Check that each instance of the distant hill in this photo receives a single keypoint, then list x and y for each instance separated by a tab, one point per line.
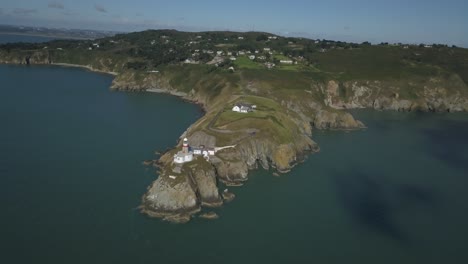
56	32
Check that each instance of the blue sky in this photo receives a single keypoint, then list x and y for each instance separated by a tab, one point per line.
409	21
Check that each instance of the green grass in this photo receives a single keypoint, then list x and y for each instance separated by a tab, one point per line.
367	62
269	118
205	79
229	116
386	62
243	62
280	57
278	79
291	67
262	103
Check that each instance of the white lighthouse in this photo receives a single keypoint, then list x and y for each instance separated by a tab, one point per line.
185	155
185	146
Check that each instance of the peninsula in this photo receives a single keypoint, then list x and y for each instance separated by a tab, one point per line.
263	96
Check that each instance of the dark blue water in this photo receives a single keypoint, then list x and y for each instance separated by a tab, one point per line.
10	38
71	178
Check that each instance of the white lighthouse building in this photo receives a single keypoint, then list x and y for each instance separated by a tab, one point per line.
185	155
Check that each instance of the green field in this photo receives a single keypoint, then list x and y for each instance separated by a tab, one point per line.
244	62
377	62
269	118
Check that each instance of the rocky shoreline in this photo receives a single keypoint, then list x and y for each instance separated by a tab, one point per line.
87	67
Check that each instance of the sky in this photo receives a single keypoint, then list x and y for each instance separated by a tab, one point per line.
406	21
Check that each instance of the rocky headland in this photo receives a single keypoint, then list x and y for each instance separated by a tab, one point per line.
277	135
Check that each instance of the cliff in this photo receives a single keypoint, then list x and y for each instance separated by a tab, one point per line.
437	94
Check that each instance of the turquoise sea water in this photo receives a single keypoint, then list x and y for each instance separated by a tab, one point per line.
71	178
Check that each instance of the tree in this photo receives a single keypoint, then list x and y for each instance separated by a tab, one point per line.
262	37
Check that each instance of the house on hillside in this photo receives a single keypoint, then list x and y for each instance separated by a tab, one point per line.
286	61
243	108
269	65
252	57
202	150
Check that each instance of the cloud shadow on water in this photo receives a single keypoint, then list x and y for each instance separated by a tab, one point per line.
374	205
447	143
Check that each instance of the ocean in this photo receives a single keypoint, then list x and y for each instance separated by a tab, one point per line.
71	175
10	38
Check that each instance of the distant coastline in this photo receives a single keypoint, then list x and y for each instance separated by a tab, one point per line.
42	35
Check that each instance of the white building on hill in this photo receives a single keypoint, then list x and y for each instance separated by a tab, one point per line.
243	108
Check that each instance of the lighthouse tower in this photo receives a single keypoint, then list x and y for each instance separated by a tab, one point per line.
185	155
185	146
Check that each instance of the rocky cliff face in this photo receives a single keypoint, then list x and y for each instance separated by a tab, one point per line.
36	57
336	120
135	81
206	183
433	94
174	201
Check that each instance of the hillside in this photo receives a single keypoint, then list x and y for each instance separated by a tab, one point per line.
296	84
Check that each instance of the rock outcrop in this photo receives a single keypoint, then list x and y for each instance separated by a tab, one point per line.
336	120
206	182
172	199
